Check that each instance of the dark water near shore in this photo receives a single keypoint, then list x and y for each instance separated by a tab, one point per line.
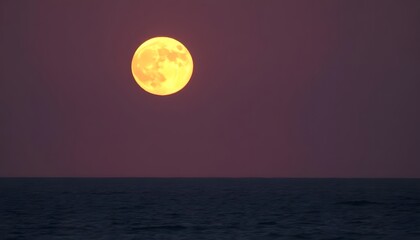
209	209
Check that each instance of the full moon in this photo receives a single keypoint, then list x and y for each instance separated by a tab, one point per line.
162	66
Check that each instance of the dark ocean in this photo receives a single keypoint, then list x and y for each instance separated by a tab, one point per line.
209	209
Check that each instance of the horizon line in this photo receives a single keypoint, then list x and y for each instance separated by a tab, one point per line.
131	177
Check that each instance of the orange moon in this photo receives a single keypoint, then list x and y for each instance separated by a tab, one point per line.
162	66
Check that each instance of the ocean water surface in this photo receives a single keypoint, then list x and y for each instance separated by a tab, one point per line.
216	209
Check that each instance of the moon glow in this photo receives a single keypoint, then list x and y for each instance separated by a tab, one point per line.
162	66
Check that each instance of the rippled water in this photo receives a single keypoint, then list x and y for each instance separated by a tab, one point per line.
209	209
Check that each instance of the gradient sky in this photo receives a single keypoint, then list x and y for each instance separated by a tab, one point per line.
279	89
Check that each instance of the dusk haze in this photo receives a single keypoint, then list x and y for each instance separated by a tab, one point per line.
280	89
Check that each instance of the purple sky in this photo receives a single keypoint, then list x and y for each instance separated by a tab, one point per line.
279	89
